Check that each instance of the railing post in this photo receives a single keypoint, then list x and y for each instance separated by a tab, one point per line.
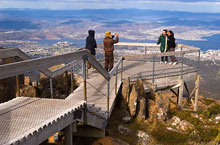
116	81
51	88
122	70
145	51
180	97
84	79
71	80
17	87
198	61
87	69
85	88
108	94
182	66
153	69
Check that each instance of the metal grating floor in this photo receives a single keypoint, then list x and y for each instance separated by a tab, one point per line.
23	116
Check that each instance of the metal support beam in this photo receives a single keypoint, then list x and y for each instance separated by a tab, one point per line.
87	70
198	62
180	99
85	89
145	51
68	135
197	83
51	88
182	66
17	87
116	81
153	70
108	94
122	70
187	90
174	92
84	79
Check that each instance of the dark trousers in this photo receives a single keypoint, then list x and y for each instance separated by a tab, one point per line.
164	58
109	60
172	57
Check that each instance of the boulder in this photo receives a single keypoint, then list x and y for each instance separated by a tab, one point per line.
185	126
124	130
182	125
159	108
143	138
29	91
176	120
152	109
126	119
141	108
126	90
132	105
140	87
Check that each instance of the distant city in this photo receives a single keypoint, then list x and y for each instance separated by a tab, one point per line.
46	32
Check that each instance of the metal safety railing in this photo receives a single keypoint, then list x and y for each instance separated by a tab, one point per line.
82	56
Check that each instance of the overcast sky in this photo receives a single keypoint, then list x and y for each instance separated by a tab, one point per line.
212	6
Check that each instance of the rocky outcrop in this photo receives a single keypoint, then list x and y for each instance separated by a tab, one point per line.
183	126
133	100
159	108
125	131
29	91
125	94
143	138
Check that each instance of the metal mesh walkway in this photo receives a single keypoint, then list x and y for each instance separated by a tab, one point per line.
23	117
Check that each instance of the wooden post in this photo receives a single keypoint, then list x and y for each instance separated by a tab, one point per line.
180	99
51	88
197	83
68	135
17	87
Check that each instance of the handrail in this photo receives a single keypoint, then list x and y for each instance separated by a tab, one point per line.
8	52
22	67
61	70
113	71
144	56
98	66
72	59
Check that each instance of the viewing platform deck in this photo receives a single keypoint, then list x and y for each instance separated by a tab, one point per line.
28	120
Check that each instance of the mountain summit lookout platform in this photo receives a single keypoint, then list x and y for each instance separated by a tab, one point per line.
26	120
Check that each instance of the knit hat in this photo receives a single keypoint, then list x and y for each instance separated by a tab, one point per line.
108	34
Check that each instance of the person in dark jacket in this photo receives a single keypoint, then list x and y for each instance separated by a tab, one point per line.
162	40
109	48
171	47
91	44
